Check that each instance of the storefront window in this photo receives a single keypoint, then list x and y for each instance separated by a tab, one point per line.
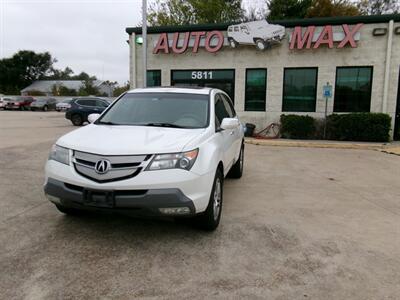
220	79
353	89
299	89
256	88
153	78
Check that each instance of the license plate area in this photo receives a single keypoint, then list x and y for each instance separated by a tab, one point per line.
98	198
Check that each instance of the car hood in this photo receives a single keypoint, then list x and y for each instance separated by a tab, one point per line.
128	140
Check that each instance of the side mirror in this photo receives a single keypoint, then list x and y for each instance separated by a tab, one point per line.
93	117
229	123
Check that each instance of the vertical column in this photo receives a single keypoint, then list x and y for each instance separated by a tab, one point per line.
387	67
132	60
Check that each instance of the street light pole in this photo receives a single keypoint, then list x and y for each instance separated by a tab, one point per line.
144	45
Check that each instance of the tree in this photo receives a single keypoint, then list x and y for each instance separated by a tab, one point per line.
181	12
61	74
88	89
22	69
61	90
121	89
332	8
288	9
379	7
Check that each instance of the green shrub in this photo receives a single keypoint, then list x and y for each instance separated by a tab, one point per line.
297	127
368	127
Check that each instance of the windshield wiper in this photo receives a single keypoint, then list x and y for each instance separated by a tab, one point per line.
164	125
106	123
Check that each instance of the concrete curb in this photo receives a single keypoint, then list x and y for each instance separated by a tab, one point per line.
317	144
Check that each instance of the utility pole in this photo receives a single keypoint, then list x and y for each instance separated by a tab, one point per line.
144	45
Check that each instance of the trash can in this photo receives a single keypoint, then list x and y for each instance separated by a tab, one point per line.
249	131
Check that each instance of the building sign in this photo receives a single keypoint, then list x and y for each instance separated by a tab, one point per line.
311	38
212	41
259	33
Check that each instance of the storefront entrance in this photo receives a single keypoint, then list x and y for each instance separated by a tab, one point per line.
396	135
220	79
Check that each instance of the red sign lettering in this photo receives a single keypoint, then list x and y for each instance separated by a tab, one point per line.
175	48
349	38
197	36
301	40
326	37
163	45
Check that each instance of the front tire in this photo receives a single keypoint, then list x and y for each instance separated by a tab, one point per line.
209	220
77	120
237	169
45	108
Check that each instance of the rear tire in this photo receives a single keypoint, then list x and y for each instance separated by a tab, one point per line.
237	169
209	220
77	120
68	210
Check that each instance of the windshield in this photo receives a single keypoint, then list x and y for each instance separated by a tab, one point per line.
159	109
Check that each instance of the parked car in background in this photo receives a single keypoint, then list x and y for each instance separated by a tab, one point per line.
21	103
44	104
64	105
81	108
3	101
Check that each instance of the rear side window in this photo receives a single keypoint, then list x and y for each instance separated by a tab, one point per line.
86	102
101	103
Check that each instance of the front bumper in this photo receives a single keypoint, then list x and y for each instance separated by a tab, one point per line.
142	202
163	188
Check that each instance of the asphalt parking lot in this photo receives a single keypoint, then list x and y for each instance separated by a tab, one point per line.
301	224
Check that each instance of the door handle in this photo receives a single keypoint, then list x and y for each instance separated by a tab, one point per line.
231	133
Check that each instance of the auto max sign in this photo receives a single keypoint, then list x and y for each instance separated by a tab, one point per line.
313	38
259	33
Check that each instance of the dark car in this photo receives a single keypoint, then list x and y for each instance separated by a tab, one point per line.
21	103
44	104
81	108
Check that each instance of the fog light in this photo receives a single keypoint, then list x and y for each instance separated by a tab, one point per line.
53	199
175	210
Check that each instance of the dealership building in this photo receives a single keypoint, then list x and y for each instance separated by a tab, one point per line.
352	64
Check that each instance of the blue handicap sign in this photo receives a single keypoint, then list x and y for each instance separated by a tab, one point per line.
327	91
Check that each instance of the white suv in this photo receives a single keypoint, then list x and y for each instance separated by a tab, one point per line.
154	151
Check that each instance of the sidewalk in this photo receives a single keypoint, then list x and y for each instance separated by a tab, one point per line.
393	147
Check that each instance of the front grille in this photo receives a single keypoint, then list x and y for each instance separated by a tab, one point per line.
121	167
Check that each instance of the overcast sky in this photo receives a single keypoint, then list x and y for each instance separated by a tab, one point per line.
86	35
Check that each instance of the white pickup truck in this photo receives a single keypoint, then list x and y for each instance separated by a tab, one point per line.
154	151
259	33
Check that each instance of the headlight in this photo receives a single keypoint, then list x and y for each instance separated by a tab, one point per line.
184	160
59	154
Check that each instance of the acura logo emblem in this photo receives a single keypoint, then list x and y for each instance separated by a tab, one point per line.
102	166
